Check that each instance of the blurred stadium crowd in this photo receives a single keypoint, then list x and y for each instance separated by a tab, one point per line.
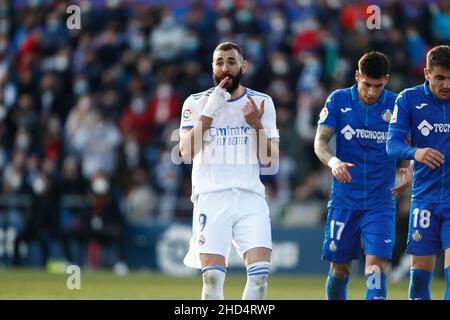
87	116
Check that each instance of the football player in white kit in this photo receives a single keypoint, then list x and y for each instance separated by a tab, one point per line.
229	133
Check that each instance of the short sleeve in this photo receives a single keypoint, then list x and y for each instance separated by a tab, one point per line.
269	120
400	115
189	114
327	116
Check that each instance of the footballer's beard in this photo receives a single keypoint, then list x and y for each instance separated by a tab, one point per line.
235	81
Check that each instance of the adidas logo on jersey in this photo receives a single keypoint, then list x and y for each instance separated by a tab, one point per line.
426	128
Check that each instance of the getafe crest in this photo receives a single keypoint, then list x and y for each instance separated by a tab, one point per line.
386	115
416	235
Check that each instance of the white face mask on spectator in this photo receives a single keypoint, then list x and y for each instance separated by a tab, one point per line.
23	141
168	22
113	3
138	105
61	63
15	181
54	126
84	104
224	25
192	43
244	16
137	43
163	91
53	24
39	186
80	87
280	67
131	149
34	3
278	24
100	186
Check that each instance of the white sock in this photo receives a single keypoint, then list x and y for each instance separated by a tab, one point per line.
213	279
257	275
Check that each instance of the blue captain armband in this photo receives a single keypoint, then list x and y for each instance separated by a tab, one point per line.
396	147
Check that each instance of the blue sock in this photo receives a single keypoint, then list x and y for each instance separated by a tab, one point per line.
376	286
419	284
447	281
336	288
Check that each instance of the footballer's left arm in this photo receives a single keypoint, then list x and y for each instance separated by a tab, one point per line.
268	150
274	153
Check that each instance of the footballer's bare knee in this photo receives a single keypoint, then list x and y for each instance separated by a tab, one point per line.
447	258
340	270
257	255
375	264
208	259
423	262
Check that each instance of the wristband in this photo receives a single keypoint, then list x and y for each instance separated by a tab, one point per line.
333	161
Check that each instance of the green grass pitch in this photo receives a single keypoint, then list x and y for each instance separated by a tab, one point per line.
99	285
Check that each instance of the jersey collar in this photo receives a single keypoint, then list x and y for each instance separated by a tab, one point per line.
242	95
426	88
355	97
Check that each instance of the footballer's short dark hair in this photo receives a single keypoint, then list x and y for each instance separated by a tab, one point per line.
225	46
374	64
439	56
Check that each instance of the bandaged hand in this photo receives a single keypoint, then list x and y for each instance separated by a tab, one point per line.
216	100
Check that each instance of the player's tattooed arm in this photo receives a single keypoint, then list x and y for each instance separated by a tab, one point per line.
339	169
321	143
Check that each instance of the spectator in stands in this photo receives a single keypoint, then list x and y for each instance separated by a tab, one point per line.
97	145
104	226
72	205
140	202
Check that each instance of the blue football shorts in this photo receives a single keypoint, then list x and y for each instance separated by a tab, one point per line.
429	228
348	230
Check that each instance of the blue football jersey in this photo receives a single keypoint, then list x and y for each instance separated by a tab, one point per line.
361	132
427	119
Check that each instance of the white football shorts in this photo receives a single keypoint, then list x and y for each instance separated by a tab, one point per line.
231	216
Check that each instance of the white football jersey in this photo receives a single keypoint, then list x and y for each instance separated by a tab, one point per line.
228	158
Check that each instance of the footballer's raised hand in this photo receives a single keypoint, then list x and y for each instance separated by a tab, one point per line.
430	157
406	176
340	171
252	113
216	99
223	82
